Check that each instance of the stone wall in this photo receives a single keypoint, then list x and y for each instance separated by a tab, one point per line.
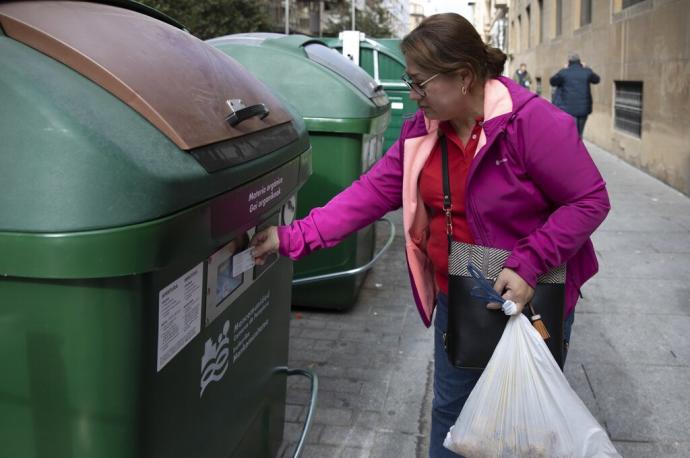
647	42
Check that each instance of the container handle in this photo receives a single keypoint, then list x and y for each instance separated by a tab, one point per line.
312	403
239	116
356	270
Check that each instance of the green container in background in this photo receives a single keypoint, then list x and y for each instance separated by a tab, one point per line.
126	330
346	114
383	60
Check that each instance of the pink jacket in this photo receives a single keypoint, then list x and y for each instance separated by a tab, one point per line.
532	189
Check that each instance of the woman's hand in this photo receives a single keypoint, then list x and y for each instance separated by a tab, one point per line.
264	244
511	286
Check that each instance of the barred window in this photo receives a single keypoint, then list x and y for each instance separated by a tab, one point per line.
542	22
559	17
585	12
627	3
528	11
628	107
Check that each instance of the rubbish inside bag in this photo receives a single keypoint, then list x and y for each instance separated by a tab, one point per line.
523	406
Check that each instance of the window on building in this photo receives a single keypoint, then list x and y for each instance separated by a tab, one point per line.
471	7
628	107
559	17
585	12
627	3
542	22
519	34
528	14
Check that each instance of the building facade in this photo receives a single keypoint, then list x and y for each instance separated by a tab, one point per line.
490	18
309	17
416	14
641	51
400	16
304	16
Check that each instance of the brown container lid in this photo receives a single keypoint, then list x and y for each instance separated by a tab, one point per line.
176	81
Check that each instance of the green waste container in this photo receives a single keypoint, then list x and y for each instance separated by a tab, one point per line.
129	325
384	61
346	114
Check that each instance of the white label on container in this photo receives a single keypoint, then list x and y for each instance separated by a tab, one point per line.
242	262
179	314
397	105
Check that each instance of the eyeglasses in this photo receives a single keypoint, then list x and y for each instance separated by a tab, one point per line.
417	87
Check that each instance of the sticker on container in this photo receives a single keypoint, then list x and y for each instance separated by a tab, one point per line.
242	262
179	314
214	363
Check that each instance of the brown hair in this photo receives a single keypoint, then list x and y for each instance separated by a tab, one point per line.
447	42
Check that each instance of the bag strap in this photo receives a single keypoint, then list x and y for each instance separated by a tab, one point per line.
446	189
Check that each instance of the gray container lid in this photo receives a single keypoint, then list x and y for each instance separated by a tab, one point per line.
318	52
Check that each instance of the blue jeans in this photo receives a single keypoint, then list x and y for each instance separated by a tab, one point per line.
580	121
452	385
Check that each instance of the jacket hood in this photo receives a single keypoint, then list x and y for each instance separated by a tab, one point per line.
503	100
518	94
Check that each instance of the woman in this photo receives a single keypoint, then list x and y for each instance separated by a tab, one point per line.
521	180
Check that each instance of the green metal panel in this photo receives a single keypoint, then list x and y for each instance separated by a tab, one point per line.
71	353
390	68
75	158
337	163
402	108
366	60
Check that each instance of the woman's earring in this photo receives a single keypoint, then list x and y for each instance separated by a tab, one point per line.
463	90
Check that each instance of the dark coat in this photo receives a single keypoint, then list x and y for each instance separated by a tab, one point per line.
572	84
523	78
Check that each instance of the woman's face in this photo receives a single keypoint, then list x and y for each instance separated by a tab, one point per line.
443	99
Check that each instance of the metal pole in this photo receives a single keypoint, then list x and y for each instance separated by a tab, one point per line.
353	15
287	17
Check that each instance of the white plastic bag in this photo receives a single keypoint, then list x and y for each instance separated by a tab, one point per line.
523	406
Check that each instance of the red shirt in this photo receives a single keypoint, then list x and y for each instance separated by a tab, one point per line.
431	190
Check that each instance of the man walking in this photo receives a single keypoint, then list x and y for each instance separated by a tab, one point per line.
573	88
522	76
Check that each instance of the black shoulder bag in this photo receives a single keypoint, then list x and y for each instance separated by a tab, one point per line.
473	330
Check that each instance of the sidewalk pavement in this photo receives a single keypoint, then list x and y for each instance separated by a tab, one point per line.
628	358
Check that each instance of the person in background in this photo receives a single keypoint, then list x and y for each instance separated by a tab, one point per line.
556	95
522	76
573	93
521	180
